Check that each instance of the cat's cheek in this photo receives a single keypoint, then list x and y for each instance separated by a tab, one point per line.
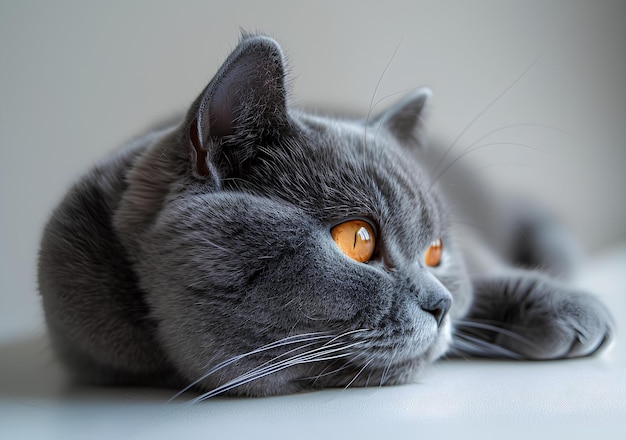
336	288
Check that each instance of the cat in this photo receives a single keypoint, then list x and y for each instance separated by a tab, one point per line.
254	249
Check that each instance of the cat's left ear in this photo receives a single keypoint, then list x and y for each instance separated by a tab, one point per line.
404	119
245	102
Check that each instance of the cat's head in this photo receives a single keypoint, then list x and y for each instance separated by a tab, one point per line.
298	251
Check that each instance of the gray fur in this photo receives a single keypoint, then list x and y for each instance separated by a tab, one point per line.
201	254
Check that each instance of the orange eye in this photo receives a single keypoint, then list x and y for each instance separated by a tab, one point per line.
432	257
355	238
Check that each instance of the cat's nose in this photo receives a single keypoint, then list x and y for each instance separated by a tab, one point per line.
433	297
438	308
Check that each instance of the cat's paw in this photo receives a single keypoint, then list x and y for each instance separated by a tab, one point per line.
557	324
529	316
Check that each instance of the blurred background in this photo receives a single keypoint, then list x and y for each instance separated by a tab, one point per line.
78	79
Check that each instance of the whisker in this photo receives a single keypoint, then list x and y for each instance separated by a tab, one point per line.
329	344
467	151
369	377
493	328
359	373
282	342
391	95
520	124
287	353
385	374
384	116
257	373
482	112
380	78
327	372
303	357
467	349
348	333
478	347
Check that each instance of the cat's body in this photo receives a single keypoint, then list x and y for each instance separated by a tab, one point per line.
203	254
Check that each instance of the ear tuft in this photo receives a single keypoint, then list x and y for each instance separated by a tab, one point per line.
246	99
199	155
247	93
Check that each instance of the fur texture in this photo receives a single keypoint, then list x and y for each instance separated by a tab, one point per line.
201	255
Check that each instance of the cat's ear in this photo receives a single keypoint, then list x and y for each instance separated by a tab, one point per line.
246	101
403	120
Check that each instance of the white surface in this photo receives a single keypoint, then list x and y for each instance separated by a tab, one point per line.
583	398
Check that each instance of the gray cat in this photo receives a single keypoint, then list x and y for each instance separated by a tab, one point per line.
254	249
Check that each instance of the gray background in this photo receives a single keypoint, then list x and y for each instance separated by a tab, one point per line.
80	78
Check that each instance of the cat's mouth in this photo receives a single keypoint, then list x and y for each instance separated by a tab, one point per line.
383	359
384	347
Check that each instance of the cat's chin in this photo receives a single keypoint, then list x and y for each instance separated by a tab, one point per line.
411	371
425	341
385	361
403	361
394	372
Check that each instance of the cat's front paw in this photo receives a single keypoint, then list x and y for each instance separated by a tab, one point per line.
556	324
529	316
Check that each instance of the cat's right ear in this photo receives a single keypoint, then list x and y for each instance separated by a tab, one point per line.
404	119
245	100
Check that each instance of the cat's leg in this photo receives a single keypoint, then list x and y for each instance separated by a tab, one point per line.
526	315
